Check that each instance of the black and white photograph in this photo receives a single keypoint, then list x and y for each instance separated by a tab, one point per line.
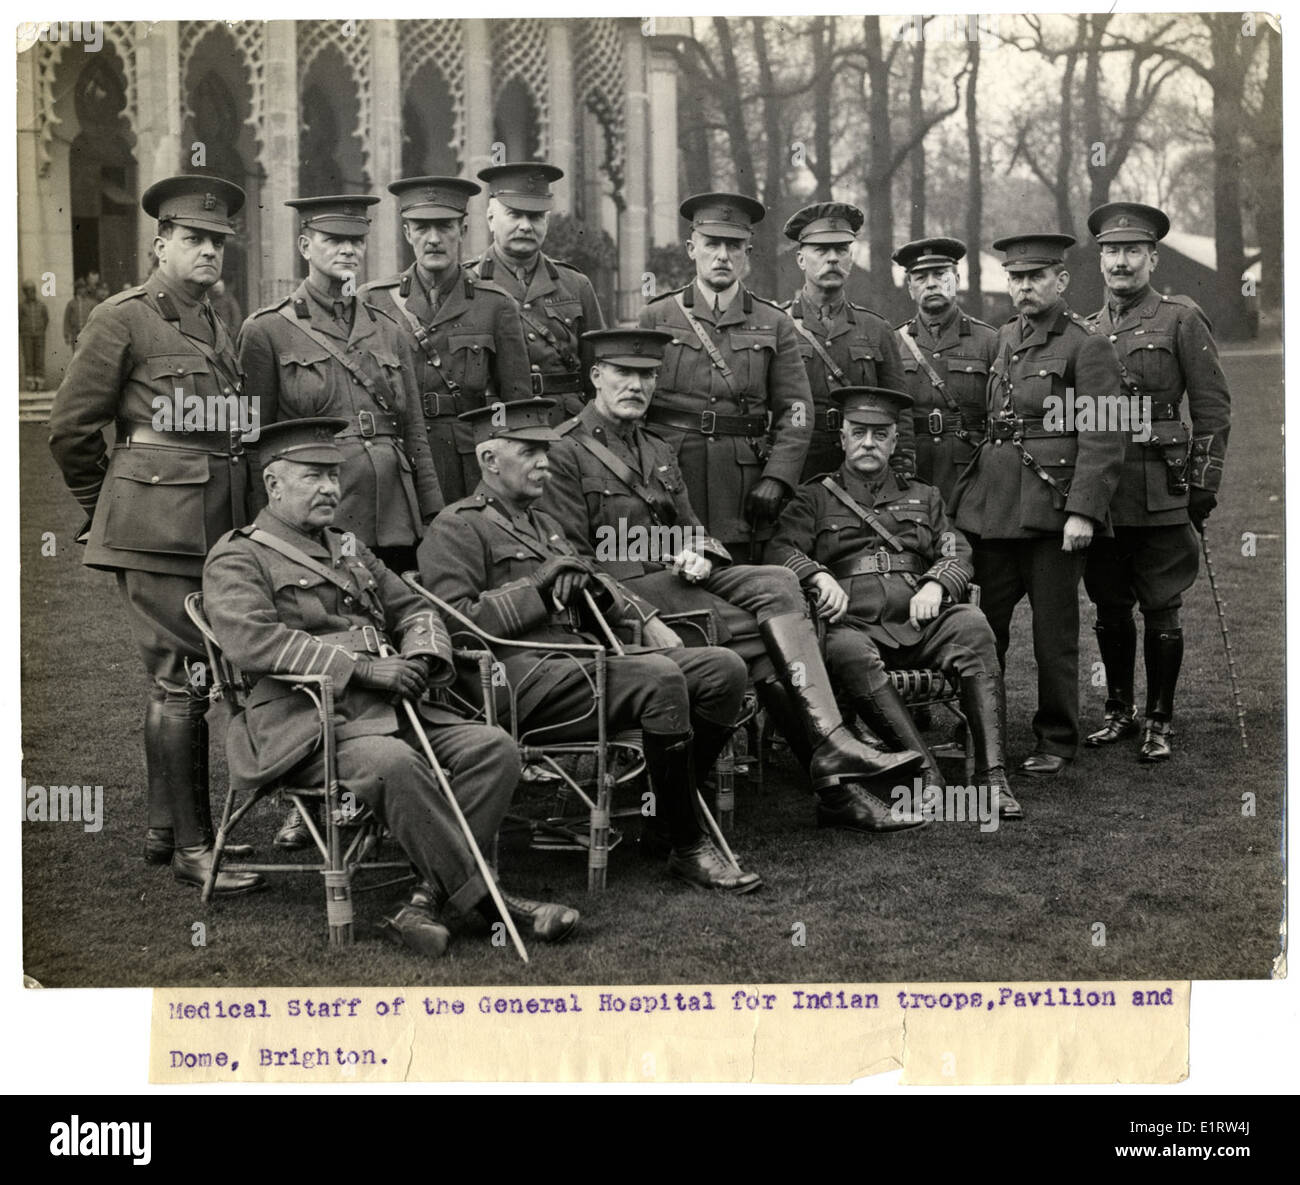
651	500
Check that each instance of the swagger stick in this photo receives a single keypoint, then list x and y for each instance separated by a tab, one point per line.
1227	641
712	823
484	871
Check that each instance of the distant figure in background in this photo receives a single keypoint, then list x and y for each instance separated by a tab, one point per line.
93	286
33	319
74	316
226	306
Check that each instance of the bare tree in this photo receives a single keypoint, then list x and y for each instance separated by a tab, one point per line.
975	186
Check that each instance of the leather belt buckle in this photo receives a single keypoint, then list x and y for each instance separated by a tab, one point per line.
236	443
366	423
708	422
833	419
537	382
370	635
884	562
935	422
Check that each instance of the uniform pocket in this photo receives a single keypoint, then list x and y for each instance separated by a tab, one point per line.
304	381
156	502
472	355
683	359
1165	466
1152	362
751	354
864	363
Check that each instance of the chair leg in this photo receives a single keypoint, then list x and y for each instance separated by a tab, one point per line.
724	774
338	905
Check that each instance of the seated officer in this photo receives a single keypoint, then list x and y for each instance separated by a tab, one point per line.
286	597
506	565
617	491
906	567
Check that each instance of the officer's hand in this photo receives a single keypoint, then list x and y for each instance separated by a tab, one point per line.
691	566
832	600
925	605
402	676
547	575
1078	533
568	585
659	637
1199	504
764	501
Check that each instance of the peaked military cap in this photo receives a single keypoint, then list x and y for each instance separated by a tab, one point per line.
335	214
1027	253
1128	222
434	197
825	222
522	419
726	215
926	253
308	441
524	186
193	199
870	405
641	349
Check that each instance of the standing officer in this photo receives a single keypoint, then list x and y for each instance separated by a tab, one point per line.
465	334
1038	490
1165	348
734	400
946	356
165	493
33	321
497	559
322	351
556	302
843	344
76	314
889	573
345	604
617	491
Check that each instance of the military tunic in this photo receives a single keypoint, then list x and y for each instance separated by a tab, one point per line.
478	555
1166	350
767	401
274	615
819	533
861	345
557	305
475	353
960	354
161	498
389	486
1016	518
633	524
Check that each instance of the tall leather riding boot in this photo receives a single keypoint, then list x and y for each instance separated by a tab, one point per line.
985	713
885	713
183	746
708	741
1163	651
159	839
837	754
1118	645
670	766
780	708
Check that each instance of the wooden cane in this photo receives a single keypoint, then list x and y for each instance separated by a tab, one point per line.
486	873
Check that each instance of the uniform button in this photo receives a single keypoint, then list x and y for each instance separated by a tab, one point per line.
1150	346
347	600
535	367
713	399
568	320
969	369
476	348
155	479
234	460
998	443
937	354
532	337
1041	373
1114	338
528	304
519	555
225	390
366	443
302	580
1015	357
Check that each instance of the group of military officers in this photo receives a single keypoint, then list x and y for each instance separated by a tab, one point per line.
820	487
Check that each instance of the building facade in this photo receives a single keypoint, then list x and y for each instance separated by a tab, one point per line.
290	108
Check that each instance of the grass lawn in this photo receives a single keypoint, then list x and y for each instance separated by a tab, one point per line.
1185	885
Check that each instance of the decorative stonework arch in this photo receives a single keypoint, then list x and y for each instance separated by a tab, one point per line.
249	38
352	40
519	54
600	85
440	44
121	36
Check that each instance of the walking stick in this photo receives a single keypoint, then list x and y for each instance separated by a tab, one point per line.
486	873
1227	641
714	830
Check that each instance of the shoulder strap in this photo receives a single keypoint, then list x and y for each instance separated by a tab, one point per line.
624	472
425	342
933	375
867	516
348	364
710	347
841	380
299	557
566	354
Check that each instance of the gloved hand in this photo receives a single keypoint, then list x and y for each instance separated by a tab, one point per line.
764	501
1199	504
563	575
403	676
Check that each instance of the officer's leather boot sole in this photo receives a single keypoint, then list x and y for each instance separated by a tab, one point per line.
190	867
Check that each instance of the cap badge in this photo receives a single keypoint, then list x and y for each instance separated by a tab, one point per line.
1123	220
209	201
726	214
638	346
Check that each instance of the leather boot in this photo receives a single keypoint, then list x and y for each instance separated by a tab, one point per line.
983	707
1118	646
417	926
851	807
183	746
884	713
547	921
293	833
837	754
694	858
1163	651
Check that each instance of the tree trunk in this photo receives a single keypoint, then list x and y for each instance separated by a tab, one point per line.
1227	124
879	178
975	188
763	274
733	113
915	98
1268	210
823	44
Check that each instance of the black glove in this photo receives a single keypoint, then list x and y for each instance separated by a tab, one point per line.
563	574
764	501
403	676
1199	504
